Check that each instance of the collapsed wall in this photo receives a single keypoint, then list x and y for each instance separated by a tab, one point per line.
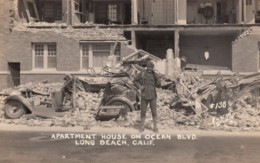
245	51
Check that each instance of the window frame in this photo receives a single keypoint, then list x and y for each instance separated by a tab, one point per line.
26	5
56	14
103	16
113	13
249	2
91	53
45	55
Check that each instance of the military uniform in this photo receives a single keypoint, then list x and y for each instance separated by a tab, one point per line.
147	81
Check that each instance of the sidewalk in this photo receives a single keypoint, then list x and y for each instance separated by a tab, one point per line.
121	130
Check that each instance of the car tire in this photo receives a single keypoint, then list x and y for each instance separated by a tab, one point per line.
127	105
14	109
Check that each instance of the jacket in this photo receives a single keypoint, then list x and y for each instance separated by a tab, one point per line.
147	82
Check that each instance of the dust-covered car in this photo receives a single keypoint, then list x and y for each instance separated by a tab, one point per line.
26	99
117	100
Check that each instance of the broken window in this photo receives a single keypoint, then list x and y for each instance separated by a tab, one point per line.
101	14
42	10
248	2
96	54
44	55
112	12
31	10
78	8
51	11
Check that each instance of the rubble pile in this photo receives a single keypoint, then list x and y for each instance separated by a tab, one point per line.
42	86
244	115
83	115
38	87
240	118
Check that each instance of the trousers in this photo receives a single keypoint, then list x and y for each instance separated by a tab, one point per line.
153	106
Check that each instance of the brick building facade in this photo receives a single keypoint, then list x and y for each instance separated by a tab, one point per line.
45	39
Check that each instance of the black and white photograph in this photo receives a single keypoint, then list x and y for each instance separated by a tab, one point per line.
129	81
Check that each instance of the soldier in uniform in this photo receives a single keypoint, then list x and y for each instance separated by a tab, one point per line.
147	81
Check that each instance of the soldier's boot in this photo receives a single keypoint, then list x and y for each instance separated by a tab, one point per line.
155	128
142	125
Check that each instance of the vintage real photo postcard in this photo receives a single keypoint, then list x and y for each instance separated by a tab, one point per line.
129	81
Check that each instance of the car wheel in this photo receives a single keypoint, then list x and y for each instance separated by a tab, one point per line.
14	109
121	103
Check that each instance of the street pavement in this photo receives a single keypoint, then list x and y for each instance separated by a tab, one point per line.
45	147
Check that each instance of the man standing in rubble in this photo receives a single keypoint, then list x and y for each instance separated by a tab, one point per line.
147	81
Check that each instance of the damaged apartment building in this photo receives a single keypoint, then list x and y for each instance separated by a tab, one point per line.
45	39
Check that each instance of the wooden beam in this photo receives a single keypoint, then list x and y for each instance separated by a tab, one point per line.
176	43
134	12
244	12
133	38
25	2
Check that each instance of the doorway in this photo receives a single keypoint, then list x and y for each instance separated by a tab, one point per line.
14	77
221	12
192	11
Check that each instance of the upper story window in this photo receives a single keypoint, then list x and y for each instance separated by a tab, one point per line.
51	11
249	2
113	12
42	10
75	11
107	13
44	56
96	54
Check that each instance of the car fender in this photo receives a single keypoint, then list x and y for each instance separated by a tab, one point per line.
23	100
113	99
124	99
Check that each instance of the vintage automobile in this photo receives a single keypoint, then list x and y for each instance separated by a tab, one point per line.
22	101
118	100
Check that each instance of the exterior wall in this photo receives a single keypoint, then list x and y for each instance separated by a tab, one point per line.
245	55
4	32
219	48
3	81
41	77
17	47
